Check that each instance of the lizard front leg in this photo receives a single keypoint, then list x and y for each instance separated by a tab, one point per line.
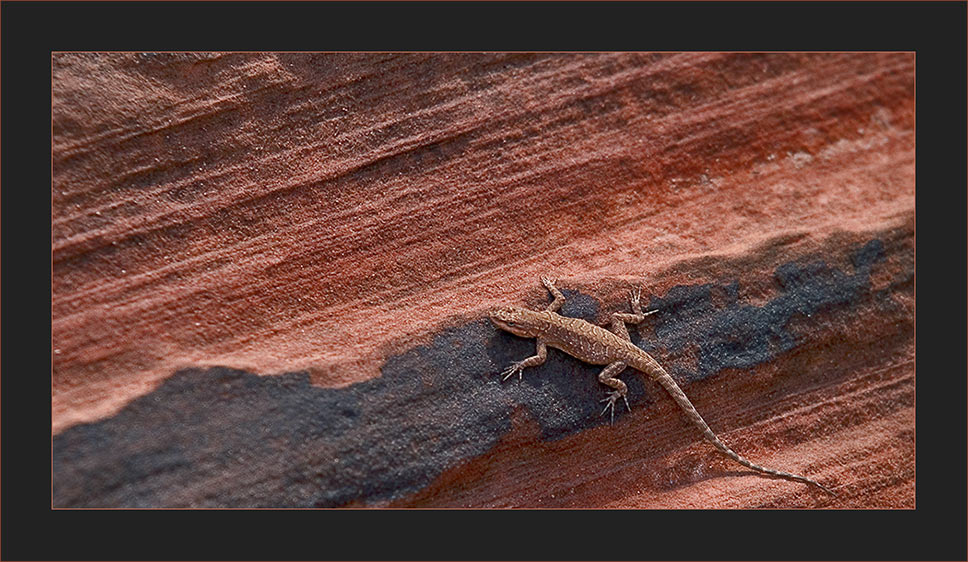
533	361
559	299
608	377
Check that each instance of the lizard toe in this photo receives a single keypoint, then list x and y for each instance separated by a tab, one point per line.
508	372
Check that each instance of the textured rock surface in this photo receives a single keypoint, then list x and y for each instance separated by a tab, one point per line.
348	219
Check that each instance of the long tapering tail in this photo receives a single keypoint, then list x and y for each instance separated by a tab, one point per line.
667	382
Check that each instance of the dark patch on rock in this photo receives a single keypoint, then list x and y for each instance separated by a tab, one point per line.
741	336
224	437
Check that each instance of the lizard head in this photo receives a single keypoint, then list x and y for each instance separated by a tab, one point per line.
519	321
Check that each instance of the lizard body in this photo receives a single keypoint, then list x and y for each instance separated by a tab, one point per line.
614	348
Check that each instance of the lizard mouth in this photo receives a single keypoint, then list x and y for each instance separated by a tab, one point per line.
498	318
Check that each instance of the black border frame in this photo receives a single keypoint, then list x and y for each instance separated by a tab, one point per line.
936	31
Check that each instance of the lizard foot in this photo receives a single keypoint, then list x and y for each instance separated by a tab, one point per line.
511	370
612	398
635	298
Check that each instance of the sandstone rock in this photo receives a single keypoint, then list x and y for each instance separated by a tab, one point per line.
348	219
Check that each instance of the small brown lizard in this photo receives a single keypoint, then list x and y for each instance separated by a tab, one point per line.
598	346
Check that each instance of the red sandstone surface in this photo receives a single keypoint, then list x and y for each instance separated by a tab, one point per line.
324	212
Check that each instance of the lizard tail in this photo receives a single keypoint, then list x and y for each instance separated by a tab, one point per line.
667	382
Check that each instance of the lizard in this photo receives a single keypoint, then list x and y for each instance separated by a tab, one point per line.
612	347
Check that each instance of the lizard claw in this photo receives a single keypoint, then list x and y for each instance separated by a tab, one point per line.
511	370
612	398
607	406
548	281
635	297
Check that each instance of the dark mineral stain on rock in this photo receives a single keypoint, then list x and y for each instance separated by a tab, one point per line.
224	437
740	336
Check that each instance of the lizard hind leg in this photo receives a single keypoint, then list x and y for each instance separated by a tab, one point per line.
608	378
